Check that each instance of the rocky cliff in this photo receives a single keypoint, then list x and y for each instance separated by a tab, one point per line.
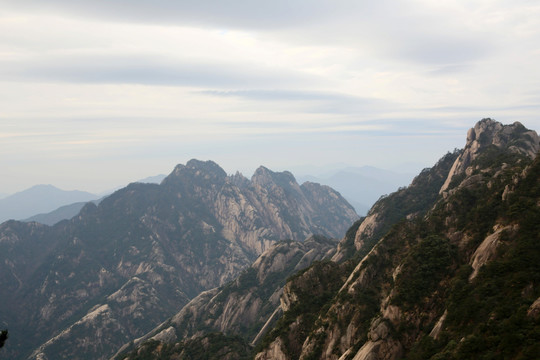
84	287
488	137
454	278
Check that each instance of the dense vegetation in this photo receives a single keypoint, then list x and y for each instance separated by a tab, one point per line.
488	317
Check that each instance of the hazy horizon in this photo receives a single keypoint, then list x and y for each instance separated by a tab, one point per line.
300	172
96	94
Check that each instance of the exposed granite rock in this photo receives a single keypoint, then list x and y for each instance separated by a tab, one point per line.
486	251
534	310
405	204
274	352
252	301
436	331
514	138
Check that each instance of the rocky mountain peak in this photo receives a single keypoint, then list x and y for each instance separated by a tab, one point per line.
208	166
197	169
265	177
488	134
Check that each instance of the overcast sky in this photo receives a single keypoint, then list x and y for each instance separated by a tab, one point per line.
95	94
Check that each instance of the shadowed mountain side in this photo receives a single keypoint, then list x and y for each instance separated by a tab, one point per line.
65	212
68	211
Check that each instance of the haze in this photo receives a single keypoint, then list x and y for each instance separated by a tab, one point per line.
94	94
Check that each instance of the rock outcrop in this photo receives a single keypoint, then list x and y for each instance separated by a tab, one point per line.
487	133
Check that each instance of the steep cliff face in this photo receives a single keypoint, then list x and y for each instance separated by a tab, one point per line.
246	307
83	287
458	281
271	206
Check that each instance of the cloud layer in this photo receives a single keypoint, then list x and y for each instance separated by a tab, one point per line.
108	84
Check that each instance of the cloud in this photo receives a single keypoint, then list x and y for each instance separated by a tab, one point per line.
315	101
230	14
396	29
148	70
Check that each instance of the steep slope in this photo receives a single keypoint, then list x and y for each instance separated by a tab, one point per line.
83	287
243	309
406	203
456	279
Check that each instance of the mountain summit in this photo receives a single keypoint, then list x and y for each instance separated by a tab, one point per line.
488	137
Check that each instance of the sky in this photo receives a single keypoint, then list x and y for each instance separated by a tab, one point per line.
96	94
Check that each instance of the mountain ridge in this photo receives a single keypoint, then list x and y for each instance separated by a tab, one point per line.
39	199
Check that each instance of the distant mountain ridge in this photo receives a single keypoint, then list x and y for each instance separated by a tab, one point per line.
62	213
85	286
69	210
39	199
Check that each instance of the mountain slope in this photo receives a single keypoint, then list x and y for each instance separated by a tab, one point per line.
245	307
85	286
65	212
459	282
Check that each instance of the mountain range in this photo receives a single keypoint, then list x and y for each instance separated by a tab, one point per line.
46	204
85	286
446	268
210	266
39	199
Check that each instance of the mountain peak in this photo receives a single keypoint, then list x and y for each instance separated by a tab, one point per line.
515	137
208	167
489	134
264	176
194	168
